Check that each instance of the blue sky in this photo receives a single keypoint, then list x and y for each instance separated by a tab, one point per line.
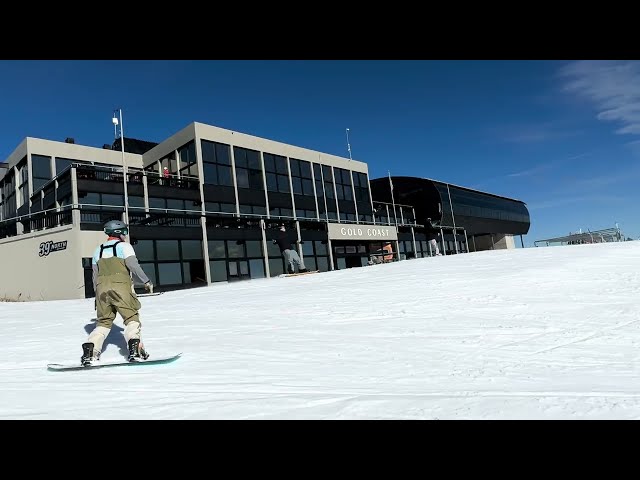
562	136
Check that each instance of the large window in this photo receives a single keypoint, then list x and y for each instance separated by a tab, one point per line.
231	260
301	177
249	180
172	262
317	173
344	194
361	186
96	208
275	167
216	163
23	183
159	203
248	168
327	175
215	207
9	196
188	163
98	200
382	213
343	184
408	217
302	182
315	255
40	170
276	259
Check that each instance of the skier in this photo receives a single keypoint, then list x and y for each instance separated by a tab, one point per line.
291	256
113	263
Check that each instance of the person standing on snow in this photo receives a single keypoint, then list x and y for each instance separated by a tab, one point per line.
113	262
291	257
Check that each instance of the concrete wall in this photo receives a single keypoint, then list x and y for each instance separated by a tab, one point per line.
28	273
58	275
484	242
503	242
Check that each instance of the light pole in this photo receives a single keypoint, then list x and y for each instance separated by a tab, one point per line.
349	145
124	166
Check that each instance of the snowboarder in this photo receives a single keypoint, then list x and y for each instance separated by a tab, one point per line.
291	257
113	262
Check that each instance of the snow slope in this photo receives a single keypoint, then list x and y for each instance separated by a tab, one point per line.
537	333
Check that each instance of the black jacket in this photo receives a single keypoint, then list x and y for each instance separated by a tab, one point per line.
284	241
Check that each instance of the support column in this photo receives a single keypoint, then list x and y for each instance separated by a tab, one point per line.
415	248
466	240
265	252
331	265
444	250
203	218
298	236
75	212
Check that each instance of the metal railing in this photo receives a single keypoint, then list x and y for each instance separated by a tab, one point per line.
92	213
606	235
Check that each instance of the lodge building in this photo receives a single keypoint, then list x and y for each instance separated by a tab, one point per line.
204	204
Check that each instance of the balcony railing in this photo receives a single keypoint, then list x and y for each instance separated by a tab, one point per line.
190	183
108	174
42	220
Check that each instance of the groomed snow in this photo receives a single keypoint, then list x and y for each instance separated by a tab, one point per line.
537	333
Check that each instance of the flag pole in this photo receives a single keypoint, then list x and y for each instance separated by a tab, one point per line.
393	203
349	145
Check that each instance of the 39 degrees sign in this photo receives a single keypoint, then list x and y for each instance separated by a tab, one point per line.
47	247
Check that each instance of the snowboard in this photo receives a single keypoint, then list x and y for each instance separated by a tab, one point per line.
154	294
298	274
112	363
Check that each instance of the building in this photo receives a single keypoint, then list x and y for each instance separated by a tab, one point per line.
203	206
452	215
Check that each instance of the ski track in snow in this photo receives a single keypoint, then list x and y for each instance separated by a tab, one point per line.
538	333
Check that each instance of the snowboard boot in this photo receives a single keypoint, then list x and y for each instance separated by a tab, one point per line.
88	354
136	351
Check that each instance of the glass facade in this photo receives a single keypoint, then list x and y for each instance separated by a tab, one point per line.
172	262
475	204
216	163
41	171
233	260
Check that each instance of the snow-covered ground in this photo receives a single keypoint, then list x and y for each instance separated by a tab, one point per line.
537	333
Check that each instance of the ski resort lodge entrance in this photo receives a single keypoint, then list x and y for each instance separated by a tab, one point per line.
355	245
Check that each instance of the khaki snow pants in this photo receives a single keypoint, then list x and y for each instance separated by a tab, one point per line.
112	298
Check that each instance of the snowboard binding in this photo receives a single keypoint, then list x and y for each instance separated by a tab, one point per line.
136	351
